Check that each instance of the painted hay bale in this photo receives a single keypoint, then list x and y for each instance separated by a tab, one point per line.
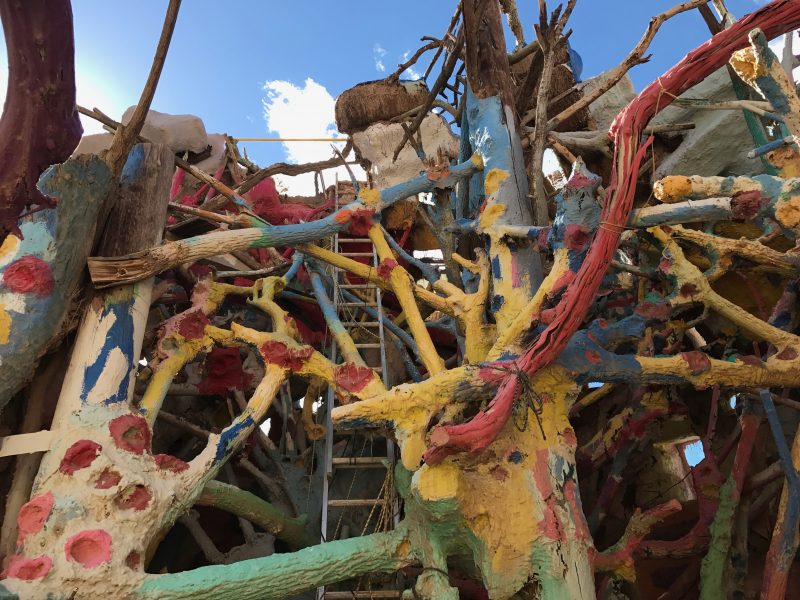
375	101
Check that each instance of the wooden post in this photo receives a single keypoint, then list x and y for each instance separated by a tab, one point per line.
115	321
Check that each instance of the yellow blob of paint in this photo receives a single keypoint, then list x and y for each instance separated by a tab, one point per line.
672	188
439	482
9	246
493	179
370	196
5	325
490	215
788	212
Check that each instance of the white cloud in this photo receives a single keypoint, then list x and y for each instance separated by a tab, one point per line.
378	53
308	112
410	72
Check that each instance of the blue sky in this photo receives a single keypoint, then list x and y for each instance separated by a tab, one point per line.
220	58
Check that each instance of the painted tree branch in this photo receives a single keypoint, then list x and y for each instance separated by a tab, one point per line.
354	217
580	292
40	125
36	281
258	511
275	576
126	135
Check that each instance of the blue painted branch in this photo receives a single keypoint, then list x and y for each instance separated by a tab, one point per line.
791	517
344	341
690	211
428	272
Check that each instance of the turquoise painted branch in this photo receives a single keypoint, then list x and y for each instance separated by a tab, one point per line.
282	575
38	274
258	511
357	215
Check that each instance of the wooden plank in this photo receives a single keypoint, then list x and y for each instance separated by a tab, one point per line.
25	443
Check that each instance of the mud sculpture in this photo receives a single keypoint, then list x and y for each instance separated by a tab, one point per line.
543	381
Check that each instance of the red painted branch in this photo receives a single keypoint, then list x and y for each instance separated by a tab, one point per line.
619	559
40	125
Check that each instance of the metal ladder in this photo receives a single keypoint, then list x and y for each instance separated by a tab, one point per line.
369	298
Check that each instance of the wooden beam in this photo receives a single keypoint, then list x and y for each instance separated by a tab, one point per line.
25	443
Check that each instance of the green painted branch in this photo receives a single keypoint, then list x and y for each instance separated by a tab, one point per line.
715	564
258	511
281	575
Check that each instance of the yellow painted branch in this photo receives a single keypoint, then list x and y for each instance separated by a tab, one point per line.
758	66
402	284
367	272
754	251
208	296
470	309
732	374
314	364
688	274
522	323
409	407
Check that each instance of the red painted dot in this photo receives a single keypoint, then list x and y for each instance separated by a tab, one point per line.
29	274
107	479
136	497
79	456
131	433
89	548
33	514
593	356
167	462
385	268
360	221
352	377
28	569
192	324
698	362
133	560
278	353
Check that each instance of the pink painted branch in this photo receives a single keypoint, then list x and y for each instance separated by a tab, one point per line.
619	559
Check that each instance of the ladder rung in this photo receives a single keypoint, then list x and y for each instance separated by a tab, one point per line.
351	240
356	462
364	594
368	345
352	254
365	304
360	323
356	502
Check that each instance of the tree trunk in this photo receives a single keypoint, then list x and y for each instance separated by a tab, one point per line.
40	124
